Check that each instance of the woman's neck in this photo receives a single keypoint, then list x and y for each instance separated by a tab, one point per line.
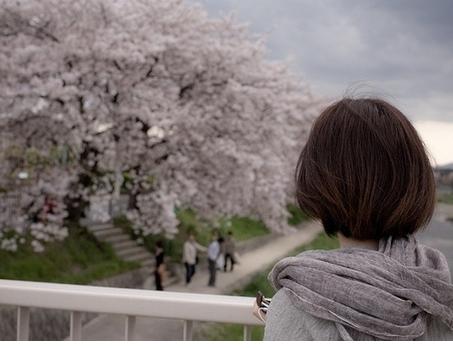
355	243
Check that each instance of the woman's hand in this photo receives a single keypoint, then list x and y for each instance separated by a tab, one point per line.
259	312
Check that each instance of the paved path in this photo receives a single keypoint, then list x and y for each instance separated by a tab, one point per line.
111	327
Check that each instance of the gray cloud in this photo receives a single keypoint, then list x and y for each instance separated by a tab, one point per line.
400	48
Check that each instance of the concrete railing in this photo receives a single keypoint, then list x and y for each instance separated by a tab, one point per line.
131	303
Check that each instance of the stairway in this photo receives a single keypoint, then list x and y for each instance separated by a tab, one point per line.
124	247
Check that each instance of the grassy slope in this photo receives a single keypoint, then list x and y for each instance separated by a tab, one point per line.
79	259
296	216
446	198
232	332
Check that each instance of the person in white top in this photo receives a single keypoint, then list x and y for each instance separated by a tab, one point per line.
189	256
213	255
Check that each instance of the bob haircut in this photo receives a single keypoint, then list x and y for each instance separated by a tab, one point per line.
364	172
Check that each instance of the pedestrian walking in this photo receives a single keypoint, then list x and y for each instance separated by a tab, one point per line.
159	272
213	255
221	258
189	256
230	249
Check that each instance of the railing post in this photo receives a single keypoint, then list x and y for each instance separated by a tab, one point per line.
75	332
129	328
23	323
247	333
188	326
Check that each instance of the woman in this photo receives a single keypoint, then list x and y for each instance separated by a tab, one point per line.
365	174
159	272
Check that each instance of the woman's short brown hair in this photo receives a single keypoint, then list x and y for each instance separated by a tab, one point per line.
364	172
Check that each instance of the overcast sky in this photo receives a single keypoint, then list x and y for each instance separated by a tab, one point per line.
399	49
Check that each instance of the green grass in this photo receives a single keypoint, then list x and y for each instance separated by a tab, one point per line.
297	216
234	332
445	198
79	259
244	228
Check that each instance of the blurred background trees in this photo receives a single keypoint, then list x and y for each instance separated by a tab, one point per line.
148	100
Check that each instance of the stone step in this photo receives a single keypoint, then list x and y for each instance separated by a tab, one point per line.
132	251
148	264
128	249
139	257
108	232
124	247
100	227
116	238
121	245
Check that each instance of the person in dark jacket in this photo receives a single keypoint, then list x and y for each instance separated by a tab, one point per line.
229	249
159	265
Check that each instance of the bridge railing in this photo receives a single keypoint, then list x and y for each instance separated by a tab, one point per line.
77	299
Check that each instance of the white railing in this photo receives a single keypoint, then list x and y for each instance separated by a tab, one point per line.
131	303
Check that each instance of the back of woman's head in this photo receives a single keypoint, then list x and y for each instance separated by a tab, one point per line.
364	172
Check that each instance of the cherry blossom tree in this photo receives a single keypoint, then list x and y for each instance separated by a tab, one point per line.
155	99
34	175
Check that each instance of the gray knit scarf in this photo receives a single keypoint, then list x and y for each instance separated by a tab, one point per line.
385	293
